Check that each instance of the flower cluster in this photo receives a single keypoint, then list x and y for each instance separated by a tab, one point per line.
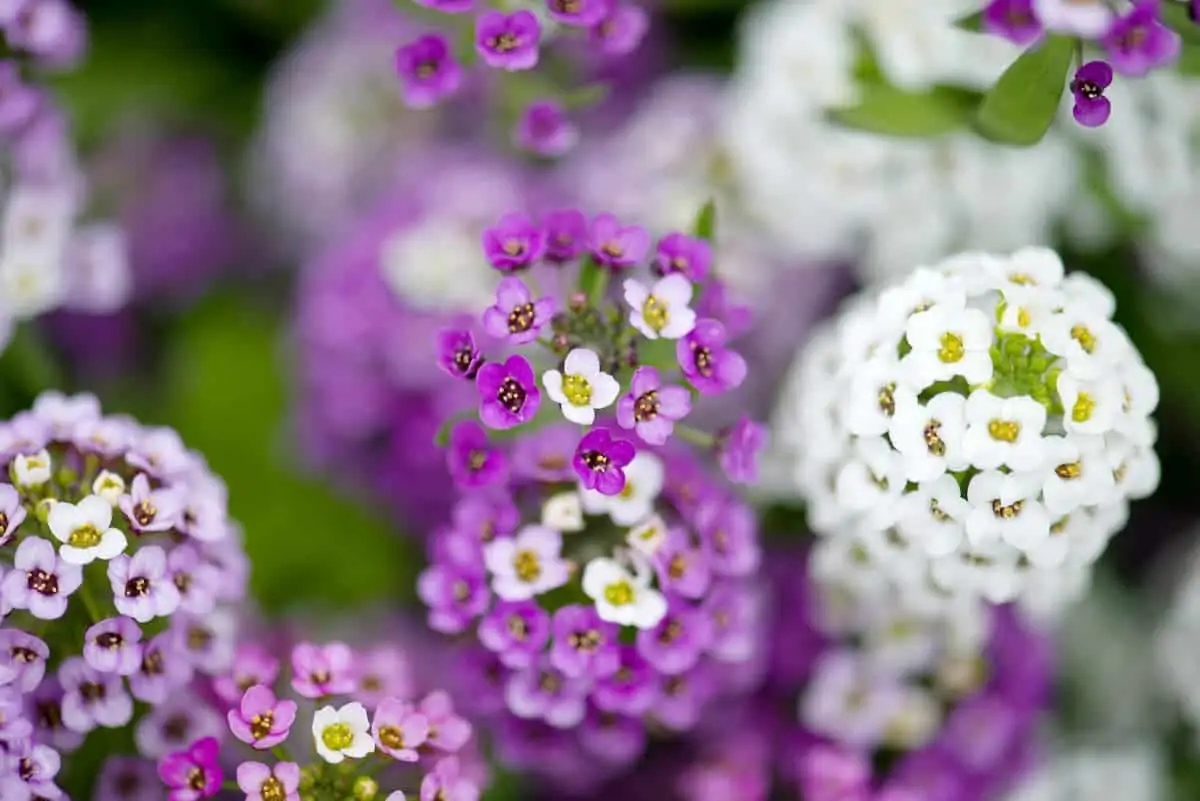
974	428
607	576
119	567
1134	40
367	728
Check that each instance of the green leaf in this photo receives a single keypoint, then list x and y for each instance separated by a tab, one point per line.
706	221
593	281
1021	107
658	353
586	96
894	112
1189	61
1175	16
971	22
30	363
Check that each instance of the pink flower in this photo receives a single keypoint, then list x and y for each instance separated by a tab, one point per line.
262	783
319	670
193	773
260	719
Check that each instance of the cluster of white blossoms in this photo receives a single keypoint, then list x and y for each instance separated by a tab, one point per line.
975	430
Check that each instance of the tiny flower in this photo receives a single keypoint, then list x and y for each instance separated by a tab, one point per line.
399	729
617	246
472	460
644	477
662	310
161	453
193	773
632	690
514	243
582	387
516	316
1089	19
563	512
342	733
198	581
508	41
1138	41
33	770
457	353
689	256
947	341
260	719
652	409
1015	20
12	512
545	129
27	656
1092	108
448	6
517	632
584	644
175	723
455	595
109	486
577	13
320	670
1004	431
142	588
447	731
674	645
86	531
428	72
92	698
647	537
446	783
508	393
31	470
252	664
705	361
164	669
18	101
40	581
128	778
542	692
621	32
930	436
566	234
114	646
738	449
683	568
262	783
829	772
1006	507
600	460
528	564
621	597
151	510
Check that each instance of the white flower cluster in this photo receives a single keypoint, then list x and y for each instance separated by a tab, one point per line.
976	429
826	192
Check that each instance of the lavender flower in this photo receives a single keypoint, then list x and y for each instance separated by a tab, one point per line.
566	235
114	646
617	246
652	409
399	729
706	362
40	581
473	462
516	316
263	782
508	393
428	72
321	670
516	632
1015	20
689	256
260	719
738	448
92	698
514	243
1138	41
141	587
1092	108
584	645
508	41
544	129
622	30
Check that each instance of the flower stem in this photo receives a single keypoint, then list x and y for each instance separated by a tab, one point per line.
695	436
89	602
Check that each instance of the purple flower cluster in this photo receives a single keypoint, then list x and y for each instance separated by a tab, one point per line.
119	568
1134	42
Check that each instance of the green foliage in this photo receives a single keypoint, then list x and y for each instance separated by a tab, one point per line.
971	22
1021	107
593	282
1175	16
891	111
705	226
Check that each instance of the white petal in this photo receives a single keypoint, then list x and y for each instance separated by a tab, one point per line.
362	745
639	322
598	574
112	542
580	415
680	322
76	556
675	289
605	390
96	511
583	362
651	608
63	519
498	555
552	380
635	293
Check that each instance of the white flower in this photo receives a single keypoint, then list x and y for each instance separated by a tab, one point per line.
923	290
435	265
342	734
878	393
935	516
100	280
582	387
1139	390
647	537
32	470
644	478
848	701
1030	267
1006	507
931	436
1027	310
1089	19
662	310
563	512
1004	431
872	482
1090	407
989	570
1135	469
1078	474
948	341
526	565
109	486
1083	290
915	720
1092	345
86	531
621	597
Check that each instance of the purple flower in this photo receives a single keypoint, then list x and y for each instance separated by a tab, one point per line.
528	564
652	409
566	234
545	454
472	460
194	773
26	655
428	72
736	612
126	778
448	6
39	581
514	243
544	129
545	693
12	513
383	671
729	531
613	739
1138	42
578	13
197	581
516	316
455	595
1014	20
738	449
399	729
151	510
446	783
260	719
632	689
33	771
508	41
114	646
141	587
175	724
484	517
447	730
161	453
584	645
508	393
706	362
45	711
674	646
599	461
92	698
457	353
164	669
690	256
1092	108
617	246
264	783
828	773
320	670
18	101
620	33
681	566
516	632
681	698
252	664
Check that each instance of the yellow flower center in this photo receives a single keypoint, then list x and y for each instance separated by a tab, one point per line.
951	349
1068	470
86	536
1004	430
887	399
654	312
627	491
619	594
1022	279
936	512
1007	512
337	736
1060	526
527	566
391	737
1084	337
1023	318
933	440
1081	412
272	790
577	390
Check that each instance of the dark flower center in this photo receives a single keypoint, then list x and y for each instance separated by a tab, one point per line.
595	460
272	790
504	43
677	567
144	512
586	641
24	655
260	724
517	627
198	639
426	69
320	677
91	691
464	360
674	686
646	407
3	522
477	460
511	247
176	728
702	358
371	683
183	582
195	778
42	582
137	587
511	395
392	737
613	249
49	715
1088	89
109	640
671	632
152	663
520	319
461	591
127	784
26	769
567	6
549	683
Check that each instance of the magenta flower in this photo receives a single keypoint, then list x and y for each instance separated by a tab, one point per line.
631	690
92	698
706	362
114	646
457	353
320	670
513	243
617	246
260	719
1138	41
1014	20
508	41
1092	108
578	13
621	31
150	510
674	646
830	772
252	664
399	729
27	656
544	129
447	731
515	631
12	513
448	6
141	587
738	449
652	409
599	461
39	581
472	460
690	256
508	393
483	517
516	316
566	234
446	783
428	72
193	773
682	566
263	783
